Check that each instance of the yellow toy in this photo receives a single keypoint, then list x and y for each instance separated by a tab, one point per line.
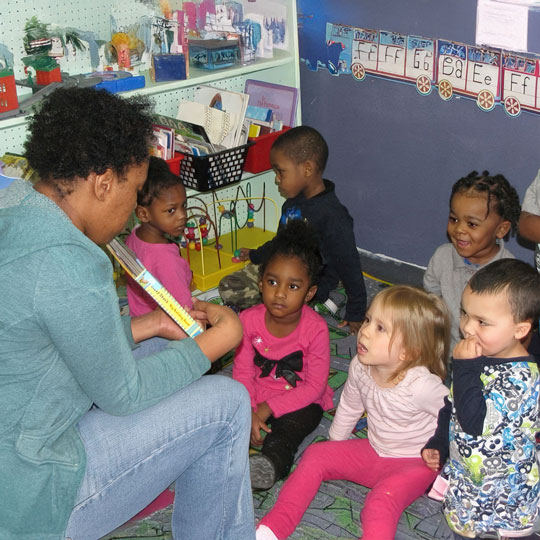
211	259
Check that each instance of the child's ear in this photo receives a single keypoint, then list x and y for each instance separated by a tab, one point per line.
522	329
502	229
142	213
405	355
310	294
309	167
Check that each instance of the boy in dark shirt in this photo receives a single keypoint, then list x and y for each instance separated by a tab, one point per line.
298	158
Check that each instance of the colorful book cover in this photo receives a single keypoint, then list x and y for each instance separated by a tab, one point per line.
278	97
154	288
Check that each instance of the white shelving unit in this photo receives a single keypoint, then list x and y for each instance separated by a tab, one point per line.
94	15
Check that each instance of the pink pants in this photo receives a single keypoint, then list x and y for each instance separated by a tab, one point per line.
395	483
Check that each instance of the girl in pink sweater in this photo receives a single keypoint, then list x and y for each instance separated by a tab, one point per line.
396	378
284	357
161	209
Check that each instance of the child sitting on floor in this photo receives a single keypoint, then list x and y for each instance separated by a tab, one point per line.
284	357
298	158
489	422
396	378
483	209
161	209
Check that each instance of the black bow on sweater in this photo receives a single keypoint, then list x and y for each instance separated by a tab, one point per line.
285	367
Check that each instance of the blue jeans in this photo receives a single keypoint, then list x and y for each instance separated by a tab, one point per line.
197	438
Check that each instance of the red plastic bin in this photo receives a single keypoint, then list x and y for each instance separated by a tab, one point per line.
174	163
258	156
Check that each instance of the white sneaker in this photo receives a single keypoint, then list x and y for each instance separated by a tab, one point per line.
264	533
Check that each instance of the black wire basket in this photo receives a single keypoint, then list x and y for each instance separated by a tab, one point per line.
213	171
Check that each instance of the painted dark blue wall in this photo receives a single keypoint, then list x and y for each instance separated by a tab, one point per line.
394	154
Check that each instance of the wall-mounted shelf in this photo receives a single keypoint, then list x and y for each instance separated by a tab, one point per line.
202	76
282	68
282	59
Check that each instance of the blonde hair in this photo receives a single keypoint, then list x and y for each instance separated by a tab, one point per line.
422	321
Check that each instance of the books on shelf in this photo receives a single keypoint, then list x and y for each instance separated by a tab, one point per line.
180	136
163	146
259	113
153	287
221	112
278	97
225	100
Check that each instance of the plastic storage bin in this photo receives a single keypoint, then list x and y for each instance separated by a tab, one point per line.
205	173
213	53
258	157
174	163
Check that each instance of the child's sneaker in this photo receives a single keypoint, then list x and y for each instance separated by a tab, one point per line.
438	489
328	308
333	305
262	472
264	533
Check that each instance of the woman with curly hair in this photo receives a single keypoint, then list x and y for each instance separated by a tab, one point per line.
93	427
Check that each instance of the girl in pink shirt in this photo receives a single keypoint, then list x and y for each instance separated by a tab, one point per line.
161	209
284	357
396	378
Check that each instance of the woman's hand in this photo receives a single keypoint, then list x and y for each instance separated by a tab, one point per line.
155	323
158	323
224	334
198	315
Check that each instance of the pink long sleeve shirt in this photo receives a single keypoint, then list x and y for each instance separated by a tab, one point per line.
310	336
164	262
400	419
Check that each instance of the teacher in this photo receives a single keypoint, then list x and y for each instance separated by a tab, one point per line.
93	427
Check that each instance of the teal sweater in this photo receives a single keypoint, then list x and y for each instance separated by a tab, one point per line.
63	347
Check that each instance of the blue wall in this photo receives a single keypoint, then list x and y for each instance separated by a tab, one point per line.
394	154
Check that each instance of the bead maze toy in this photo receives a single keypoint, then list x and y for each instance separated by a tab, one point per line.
213	253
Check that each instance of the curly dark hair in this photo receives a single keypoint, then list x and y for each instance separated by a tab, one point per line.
297	239
501	196
79	131
159	177
303	143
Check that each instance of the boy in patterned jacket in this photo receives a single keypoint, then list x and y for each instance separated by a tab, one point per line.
488	424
